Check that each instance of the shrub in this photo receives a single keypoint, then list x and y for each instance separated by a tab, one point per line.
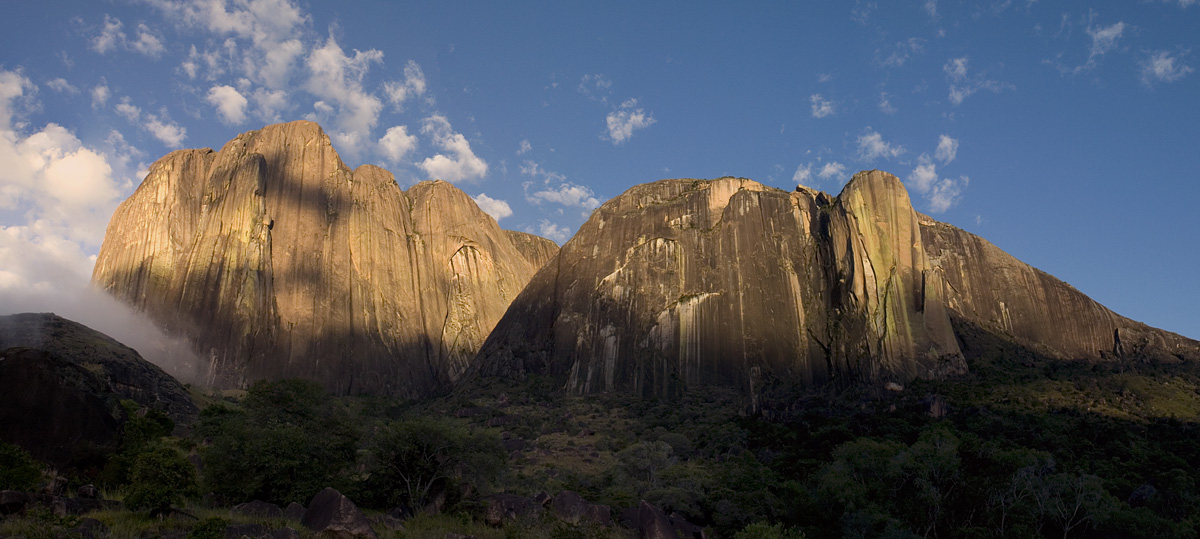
162	478
18	470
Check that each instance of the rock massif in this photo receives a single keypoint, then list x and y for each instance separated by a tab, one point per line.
730	283
277	260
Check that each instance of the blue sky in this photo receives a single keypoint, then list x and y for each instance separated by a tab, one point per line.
1065	133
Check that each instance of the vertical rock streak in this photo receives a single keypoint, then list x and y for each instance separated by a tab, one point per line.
727	282
276	260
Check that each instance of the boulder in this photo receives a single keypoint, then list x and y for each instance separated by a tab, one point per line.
653	524
504	507
259	509
294	511
571	508
12	502
89	492
333	514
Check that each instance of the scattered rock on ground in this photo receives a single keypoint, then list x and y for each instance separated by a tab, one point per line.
332	513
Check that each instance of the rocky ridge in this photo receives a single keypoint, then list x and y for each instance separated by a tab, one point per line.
731	283
276	260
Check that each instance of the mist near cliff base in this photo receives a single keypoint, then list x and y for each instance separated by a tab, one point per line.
106	314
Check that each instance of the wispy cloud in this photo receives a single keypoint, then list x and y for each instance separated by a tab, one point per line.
899	54
963	84
947	149
1162	66
547	229
629	117
885	104
940	193
412	86
821	107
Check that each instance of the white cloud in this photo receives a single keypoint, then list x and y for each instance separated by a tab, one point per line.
61	86
567	194
627	119
885	104
230	104
525	147
1104	39
899	54
947	149
595	87
336	79
270	104
169	133
939	193
270	26
956	68
931	8
560	234
111	37
1161	66
100	95
412	86
64	190
462	164
871	146
397	143
833	170
498	209
962	85
803	174
821	107
148	43
924	176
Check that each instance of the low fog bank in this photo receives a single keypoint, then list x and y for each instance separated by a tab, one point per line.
107	315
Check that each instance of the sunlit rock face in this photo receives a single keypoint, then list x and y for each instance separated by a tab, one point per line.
727	282
276	260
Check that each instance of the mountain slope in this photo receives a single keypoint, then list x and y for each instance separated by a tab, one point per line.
276	260
730	283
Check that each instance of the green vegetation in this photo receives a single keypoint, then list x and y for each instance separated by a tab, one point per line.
1029	447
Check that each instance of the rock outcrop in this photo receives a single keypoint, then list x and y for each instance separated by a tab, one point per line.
119	372
276	260
730	283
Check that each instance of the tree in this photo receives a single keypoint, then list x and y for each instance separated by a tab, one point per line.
287	442
162	478
412	460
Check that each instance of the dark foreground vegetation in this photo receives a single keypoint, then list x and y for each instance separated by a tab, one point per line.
1022	447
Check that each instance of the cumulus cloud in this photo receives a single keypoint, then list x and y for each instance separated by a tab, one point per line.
230	104
61	86
947	149
930	7
803	174
871	146
498	209
100	95
336	79
148	43
833	170
525	147
64	189
627	119
269	28
939	193
821	107
162	128
546	229
270	104
397	143
462	164
567	194
413	85
1161	66
110	37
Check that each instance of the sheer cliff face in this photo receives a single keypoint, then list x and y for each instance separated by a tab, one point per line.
276	260
731	283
